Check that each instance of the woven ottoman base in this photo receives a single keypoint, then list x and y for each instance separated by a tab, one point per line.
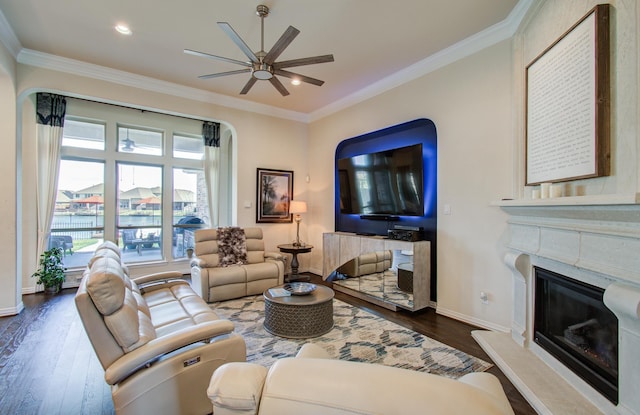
299	317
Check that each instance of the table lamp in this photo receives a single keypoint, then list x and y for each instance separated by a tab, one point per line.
297	207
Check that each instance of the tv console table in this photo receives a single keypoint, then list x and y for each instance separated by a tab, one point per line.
341	247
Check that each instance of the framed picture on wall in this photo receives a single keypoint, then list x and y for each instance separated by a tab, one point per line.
568	100
275	188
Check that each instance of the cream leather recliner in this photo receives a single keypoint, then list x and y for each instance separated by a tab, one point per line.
214	282
310	384
156	339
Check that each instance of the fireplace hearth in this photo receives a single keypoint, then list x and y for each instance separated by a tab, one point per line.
572	323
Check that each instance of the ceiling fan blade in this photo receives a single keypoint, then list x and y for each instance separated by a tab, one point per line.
278	85
282	43
303	61
238	41
248	86
303	78
219	58
219	74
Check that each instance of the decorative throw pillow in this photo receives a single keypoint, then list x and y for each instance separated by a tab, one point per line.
232	246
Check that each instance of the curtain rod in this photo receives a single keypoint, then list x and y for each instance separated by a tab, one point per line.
142	110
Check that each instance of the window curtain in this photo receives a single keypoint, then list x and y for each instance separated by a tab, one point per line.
211	136
50	111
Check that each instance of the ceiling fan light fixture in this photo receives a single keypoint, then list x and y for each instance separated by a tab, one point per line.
262	71
262	75
129	145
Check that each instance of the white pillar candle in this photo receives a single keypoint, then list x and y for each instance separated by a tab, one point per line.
556	190
544	190
535	194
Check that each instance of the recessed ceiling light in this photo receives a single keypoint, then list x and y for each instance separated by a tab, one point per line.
295	82
123	29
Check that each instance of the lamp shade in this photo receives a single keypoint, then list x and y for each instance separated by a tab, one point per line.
297	206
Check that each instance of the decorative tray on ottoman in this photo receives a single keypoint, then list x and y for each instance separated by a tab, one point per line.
299	288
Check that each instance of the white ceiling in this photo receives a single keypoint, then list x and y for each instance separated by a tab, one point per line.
370	39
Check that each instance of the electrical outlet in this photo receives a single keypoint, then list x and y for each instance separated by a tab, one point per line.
484	297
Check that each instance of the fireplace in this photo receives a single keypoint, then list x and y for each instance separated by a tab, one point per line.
572	323
572	253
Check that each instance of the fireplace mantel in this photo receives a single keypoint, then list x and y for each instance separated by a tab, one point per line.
599	238
591	200
593	239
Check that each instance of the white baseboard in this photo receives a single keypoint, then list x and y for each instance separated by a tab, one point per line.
12	311
28	290
472	320
74	283
454	314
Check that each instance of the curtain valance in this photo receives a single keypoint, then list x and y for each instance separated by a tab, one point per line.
50	109
211	134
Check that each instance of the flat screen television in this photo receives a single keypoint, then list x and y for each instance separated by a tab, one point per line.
389	182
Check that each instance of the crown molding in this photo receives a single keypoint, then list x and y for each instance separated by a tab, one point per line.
88	70
8	37
473	44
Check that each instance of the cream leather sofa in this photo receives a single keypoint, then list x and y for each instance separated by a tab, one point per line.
157	341
310	384
217	283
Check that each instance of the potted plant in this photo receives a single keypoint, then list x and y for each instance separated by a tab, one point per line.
51	271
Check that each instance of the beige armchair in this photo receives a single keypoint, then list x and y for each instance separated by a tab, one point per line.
259	271
157	341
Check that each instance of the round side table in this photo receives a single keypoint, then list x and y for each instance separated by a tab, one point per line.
294	250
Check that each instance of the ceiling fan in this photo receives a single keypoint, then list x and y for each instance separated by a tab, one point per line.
263	65
129	144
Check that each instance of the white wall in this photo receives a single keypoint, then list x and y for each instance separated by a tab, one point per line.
10	298
470	103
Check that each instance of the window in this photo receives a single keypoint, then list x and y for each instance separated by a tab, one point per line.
82	134
78	221
139	210
189	208
139	141
188	147
132	177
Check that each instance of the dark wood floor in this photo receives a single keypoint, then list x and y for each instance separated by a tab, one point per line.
47	364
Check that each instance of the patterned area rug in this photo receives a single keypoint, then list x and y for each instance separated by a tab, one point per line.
357	336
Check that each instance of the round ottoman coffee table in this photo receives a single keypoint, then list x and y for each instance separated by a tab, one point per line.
299	316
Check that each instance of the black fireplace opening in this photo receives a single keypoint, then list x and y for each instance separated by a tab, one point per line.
572	323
